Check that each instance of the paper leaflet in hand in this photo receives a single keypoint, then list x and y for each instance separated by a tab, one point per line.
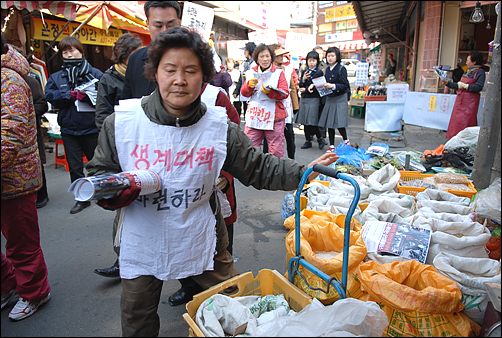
443	74
109	185
90	89
319	84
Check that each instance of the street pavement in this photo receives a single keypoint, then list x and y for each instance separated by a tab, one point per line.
85	304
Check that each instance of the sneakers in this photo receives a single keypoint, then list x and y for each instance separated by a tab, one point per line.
11	296
25	308
307	145
346	142
331	149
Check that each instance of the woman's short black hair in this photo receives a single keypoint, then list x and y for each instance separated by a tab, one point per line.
260	48
179	37
124	46
313	55
476	57
336	51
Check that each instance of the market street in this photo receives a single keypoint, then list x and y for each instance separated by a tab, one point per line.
85	304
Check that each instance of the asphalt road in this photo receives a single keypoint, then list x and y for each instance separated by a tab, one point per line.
85	304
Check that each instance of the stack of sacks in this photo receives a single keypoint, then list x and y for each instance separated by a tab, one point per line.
404	200
346	187
334	200
387	210
384	179
457	247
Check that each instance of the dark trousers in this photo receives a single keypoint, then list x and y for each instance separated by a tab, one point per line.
75	147
331	132
23	266
42	192
289	135
310	131
238	107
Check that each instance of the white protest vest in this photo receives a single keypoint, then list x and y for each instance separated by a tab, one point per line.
287	102
210	94
261	109
170	234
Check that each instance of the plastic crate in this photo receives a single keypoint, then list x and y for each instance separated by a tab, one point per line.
413	175
267	282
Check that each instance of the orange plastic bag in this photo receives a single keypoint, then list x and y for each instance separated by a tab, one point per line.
322	218
320	232
417	300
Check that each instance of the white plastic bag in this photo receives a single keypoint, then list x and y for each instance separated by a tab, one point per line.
466	138
386	211
384	179
441	196
487	202
405	201
444	206
470	274
345	318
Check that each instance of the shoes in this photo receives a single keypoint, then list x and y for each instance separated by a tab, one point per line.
322	143
8	298
183	295
25	308
346	142
79	206
332	149
307	145
42	203
111	272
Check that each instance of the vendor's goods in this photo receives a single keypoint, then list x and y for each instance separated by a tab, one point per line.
384	179
451	178
470	274
442	196
418	300
487	202
493	244
386	210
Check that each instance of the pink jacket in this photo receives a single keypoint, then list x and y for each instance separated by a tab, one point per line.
280	111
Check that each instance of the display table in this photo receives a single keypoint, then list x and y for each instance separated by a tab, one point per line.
382	116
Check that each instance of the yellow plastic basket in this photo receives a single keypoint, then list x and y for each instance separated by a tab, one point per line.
413	175
267	282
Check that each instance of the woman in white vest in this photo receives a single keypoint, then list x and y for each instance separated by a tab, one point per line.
178	231
267	87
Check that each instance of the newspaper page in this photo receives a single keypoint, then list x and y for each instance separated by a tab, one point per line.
319	84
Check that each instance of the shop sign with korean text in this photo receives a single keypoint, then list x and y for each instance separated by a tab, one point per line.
87	34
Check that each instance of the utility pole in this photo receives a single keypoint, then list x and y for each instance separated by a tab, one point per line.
487	159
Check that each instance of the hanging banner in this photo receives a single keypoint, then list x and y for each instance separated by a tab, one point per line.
87	34
199	18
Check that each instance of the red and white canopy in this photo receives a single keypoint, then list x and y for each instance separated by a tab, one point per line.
66	8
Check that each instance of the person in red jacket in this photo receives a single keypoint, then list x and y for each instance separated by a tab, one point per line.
266	86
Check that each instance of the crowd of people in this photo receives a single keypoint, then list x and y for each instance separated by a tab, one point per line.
170	95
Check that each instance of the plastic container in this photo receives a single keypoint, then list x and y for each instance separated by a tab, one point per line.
413	175
267	282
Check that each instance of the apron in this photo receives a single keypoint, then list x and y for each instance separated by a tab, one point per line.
261	109
465	109
170	234
287	102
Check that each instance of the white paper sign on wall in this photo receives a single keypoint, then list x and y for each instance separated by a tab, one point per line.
199	18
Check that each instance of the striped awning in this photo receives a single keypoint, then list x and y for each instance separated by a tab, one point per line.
67	9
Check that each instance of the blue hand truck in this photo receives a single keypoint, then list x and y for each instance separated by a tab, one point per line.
297	261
